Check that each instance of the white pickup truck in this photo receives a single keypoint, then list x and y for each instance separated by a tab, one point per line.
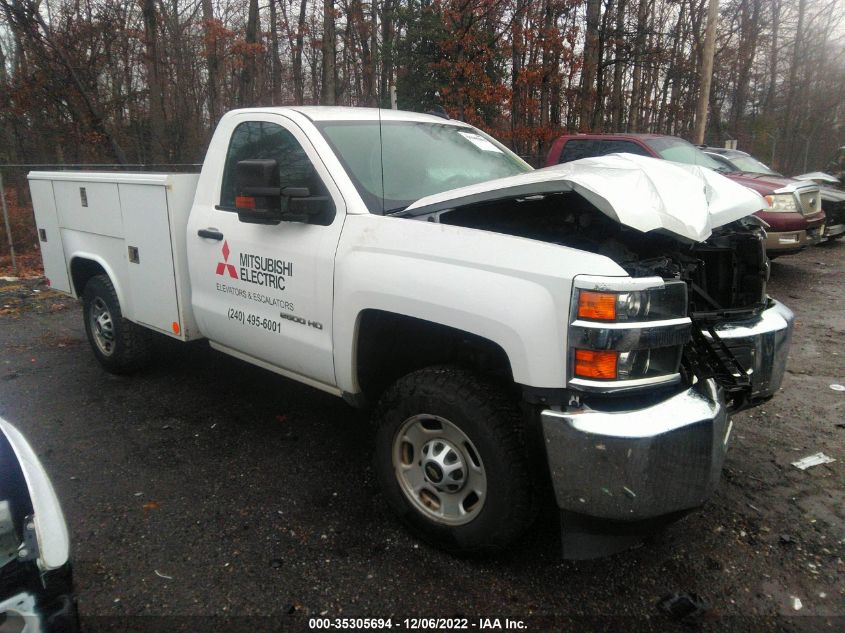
585	329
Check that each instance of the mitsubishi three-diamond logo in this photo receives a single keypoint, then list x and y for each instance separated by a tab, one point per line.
224	266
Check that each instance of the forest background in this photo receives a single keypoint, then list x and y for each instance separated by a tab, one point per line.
145	81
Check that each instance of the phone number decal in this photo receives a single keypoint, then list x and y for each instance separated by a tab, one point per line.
271	325
245	318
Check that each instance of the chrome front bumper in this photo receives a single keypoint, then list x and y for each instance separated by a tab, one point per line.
787	240
761	345
628	460
631	465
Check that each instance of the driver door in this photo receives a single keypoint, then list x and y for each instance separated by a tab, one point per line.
264	292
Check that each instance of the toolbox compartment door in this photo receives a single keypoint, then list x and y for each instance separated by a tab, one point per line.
49	236
152	281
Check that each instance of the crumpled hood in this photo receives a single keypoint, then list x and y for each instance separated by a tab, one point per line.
640	192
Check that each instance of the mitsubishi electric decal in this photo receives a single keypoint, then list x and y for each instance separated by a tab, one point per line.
265	272
224	266
256	269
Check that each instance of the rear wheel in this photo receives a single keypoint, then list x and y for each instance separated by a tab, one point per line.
119	345
450	459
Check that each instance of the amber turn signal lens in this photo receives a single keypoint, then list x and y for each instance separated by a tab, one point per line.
596	305
244	202
595	364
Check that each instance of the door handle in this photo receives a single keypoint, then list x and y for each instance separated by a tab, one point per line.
211	234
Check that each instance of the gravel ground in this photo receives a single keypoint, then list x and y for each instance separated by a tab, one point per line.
207	487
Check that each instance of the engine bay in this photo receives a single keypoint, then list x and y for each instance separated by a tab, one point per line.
726	275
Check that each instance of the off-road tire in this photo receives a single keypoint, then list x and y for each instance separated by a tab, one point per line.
131	344
487	415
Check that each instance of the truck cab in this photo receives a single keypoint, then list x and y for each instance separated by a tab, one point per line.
586	329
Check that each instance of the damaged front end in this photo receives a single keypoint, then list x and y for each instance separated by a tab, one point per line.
739	336
658	360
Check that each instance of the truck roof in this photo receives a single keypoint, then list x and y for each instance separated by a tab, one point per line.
640	135
343	113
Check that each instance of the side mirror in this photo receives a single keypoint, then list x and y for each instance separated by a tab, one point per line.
260	198
301	206
257	191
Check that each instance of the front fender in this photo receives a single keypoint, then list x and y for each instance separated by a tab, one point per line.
511	291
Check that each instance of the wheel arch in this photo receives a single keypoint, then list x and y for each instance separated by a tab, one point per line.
84	266
388	345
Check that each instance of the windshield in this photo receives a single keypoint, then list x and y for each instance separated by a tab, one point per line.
679	151
419	159
751	165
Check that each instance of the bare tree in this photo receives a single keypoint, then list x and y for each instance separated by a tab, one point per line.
591	62
328	96
706	70
246	84
639	55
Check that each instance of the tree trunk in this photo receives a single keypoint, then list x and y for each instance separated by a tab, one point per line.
639	52
792	88
747	51
374	56
154	81
773	59
362	31
604	62
706	70
517	56
212	62
549	67
246	92
590	66
388	28
617	107
4	78
669	99
298	82
275	61
650	79
328	95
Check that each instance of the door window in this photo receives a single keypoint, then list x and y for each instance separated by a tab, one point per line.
260	139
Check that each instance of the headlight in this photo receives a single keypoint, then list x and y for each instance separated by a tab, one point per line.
626	333
782	202
668	301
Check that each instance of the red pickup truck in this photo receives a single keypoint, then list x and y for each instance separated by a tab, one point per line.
795	216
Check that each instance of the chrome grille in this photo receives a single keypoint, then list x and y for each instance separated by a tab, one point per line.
811	201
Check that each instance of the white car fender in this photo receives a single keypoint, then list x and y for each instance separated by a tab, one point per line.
50	527
512	291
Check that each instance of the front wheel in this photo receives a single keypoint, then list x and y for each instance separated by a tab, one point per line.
119	345
450	460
